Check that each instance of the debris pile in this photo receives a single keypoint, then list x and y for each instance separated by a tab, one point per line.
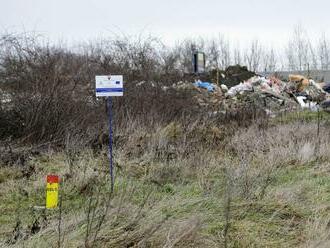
205	94
242	88
325	87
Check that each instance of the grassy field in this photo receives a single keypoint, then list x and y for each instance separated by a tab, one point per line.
257	187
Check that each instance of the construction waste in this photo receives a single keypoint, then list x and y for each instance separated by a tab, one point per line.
240	88
206	85
326	87
326	106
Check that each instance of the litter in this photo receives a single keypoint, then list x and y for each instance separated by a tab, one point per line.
298	90
205	85
224	88
307	104
301	81
250	91
325	105
239	89
314	92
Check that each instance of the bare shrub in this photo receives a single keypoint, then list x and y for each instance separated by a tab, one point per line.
46	87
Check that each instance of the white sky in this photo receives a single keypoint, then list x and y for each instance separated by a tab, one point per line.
241	21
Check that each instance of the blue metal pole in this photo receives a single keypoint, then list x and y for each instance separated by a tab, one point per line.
110	142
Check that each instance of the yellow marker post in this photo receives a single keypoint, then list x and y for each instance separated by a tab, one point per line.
52	191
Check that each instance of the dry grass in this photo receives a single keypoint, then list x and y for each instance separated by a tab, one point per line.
263	188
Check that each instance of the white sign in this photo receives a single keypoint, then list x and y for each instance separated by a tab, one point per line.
111	85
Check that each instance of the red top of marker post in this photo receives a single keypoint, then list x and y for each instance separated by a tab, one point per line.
52	179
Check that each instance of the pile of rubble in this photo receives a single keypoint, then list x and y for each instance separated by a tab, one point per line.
206	94
271	94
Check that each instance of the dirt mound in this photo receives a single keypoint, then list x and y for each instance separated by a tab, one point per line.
236	74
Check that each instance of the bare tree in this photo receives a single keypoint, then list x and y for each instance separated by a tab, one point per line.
270	60
312	61
170	60
218	53
299	50
237	56
224	47
324	53
253	55
213	55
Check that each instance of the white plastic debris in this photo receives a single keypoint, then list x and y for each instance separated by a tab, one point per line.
224	88
239	89
307	104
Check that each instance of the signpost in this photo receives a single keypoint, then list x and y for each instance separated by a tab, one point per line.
109	86
52	191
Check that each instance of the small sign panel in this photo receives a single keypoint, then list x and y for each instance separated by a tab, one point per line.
52	191
111	85
199	62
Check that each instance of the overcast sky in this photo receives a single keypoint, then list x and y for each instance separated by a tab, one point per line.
271	21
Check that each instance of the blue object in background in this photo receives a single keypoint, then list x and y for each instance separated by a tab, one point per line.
205	85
